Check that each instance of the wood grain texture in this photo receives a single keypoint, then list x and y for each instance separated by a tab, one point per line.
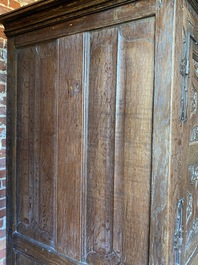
20	259
175	181
70	147
133	140
39	252
36	142
164	52
25	84
119	145
128	12
101	142
41	14
97	155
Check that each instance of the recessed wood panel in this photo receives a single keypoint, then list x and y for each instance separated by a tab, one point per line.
119	143
36	142
133	140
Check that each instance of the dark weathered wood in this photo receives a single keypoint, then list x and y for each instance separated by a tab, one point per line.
11	149
20	259
36	142
41	14
128	12
98	156
39	252
70	147
119	144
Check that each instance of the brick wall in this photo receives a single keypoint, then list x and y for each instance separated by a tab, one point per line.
5	6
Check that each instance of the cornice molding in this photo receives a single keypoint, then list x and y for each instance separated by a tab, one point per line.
46	13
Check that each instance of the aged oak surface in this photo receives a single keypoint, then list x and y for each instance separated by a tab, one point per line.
102	133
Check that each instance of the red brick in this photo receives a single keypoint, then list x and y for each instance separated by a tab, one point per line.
4	2
3	142
2	130
4	9
2	253
2	203
2	213
2	88
2	121
3	101
2	162
2	234
2	194
3	110
2	153
3	243
2	66
2	173
14	4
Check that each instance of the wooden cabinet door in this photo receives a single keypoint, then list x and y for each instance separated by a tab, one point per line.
82	187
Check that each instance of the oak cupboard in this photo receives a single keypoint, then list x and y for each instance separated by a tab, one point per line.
102	132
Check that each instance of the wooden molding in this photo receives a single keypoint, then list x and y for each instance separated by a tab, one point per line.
39	15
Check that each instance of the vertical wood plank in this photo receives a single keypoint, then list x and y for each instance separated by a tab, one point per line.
101	143
70	151
133	140
161	211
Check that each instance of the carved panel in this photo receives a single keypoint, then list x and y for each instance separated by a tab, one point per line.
193	231
189	206
196	68
193	101
194	134
178	238
193	173
191	242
